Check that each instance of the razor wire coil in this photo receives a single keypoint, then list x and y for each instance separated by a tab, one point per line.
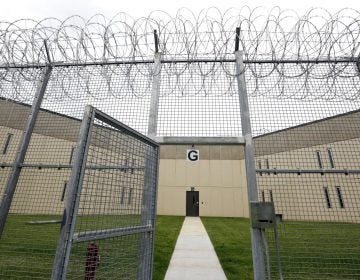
278	45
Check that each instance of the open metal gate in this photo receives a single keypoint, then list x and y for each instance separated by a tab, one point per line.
99	190
109	216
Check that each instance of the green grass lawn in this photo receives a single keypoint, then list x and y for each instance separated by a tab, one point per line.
231	240
309	250
167	231
27	250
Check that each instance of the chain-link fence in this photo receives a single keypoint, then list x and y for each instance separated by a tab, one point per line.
293	94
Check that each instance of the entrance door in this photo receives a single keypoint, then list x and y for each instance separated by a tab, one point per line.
192	203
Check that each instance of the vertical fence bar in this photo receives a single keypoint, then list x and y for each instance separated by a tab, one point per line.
256	238
154	101
147	213
22	149
73	197
153	208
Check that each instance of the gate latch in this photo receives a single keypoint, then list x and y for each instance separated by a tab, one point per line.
262	215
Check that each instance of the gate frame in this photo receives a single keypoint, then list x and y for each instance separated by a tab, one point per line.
73	198
66	238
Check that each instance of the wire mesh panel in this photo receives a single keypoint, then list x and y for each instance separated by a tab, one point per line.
310	171
29	234
31	231
302	76
197	104
122	91
112	222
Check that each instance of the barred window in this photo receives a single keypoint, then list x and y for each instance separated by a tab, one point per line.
331	158
327	197
318	156
340	197
7	143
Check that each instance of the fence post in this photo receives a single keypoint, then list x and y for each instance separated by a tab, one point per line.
256	237
73	197
22	149
148	212
154	101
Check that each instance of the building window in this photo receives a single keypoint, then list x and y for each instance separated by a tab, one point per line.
122	195
130	196
263	196
64	191
340	197
7	143
259	165
71	155
331	159
271	195
267	164
327	197
318	156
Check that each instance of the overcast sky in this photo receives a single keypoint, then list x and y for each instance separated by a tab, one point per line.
38	9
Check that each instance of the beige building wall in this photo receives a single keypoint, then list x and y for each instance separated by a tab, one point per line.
302	197
219	176
40	190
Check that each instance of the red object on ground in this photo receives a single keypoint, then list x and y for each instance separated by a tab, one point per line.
92	261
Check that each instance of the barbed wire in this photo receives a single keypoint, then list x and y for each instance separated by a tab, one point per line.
279	47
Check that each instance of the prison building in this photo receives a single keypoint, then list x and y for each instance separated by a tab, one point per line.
308	171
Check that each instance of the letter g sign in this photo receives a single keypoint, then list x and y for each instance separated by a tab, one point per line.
192	155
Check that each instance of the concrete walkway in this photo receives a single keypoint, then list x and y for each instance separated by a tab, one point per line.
194	256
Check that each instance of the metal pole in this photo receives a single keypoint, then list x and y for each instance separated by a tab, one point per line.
147	213
154	204
73	198
22	149
266	249
256	239
354	60
278	259
155	92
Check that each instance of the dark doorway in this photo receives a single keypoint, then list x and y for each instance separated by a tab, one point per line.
192	203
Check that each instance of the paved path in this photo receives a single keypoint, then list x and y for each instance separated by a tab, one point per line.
194	256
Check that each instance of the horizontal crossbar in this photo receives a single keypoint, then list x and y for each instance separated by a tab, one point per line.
109	233
200	140
308	171
69	166
174	61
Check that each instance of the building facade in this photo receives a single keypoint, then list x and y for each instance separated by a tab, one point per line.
310	172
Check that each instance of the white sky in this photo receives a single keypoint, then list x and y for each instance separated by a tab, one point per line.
38	9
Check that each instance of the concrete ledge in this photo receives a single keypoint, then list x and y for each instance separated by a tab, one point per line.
169	140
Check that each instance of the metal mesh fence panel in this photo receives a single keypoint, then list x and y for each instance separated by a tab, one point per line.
198	99
115	218
302	76
307	164
29	238
123	91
